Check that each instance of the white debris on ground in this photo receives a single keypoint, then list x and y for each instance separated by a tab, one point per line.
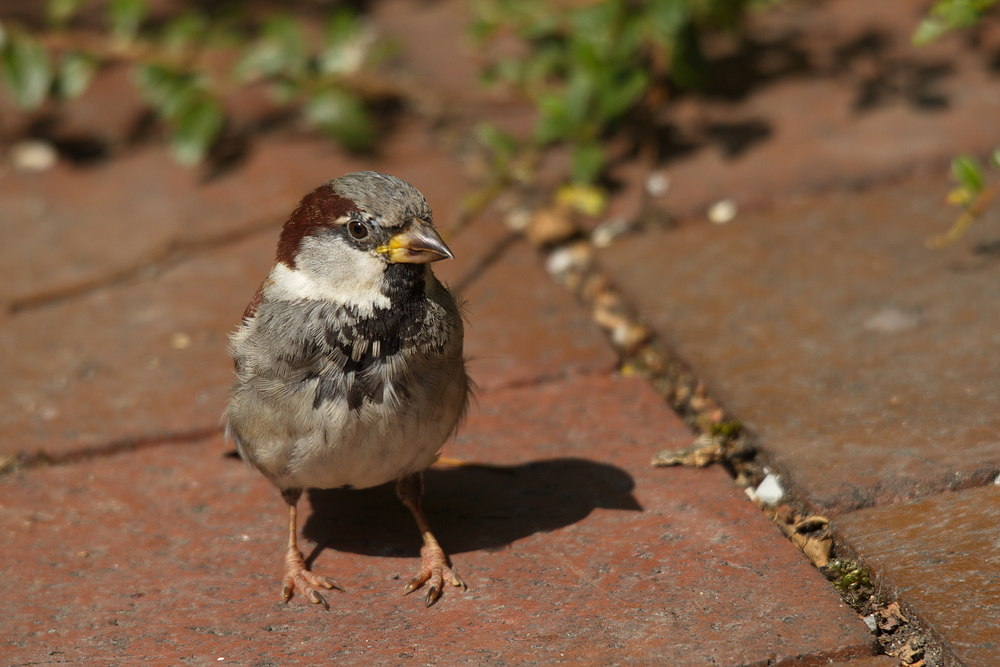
769	491
608	231
30	155
722	211
870	622
658	183
571	258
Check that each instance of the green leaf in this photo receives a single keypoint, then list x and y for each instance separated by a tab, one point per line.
928	30
614	100
687	63
481	29
598	25
76	71
154	82
279	51
26	69
342	116
553	124
995	157
182	32
61	11
261	59
196	129
666	19
950	15
283	91
535	73
498	141
578	103
968	173
345	44
169	92
125	17
503	148
587	162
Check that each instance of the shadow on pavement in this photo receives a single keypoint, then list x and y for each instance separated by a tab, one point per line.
469	508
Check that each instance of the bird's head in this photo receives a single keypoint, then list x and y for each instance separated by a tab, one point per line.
351	238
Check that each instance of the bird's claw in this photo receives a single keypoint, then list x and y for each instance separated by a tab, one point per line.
298	577
434	571
319	599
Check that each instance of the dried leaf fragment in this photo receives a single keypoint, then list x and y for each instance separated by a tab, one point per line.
807	534
818	549
705	451
550	226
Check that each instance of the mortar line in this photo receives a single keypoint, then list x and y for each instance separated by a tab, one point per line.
495	254
173	253
25	461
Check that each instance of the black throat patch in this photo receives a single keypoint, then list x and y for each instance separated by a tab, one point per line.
369	351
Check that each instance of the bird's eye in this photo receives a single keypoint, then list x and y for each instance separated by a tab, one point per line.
357	229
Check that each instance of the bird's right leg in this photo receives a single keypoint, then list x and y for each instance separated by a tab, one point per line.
297	575
435	569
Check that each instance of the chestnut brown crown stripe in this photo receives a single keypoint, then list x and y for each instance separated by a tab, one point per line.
319	208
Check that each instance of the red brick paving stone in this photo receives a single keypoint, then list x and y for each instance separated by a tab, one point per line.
142	360
865	361
76	225
522	328
874	661
576	551
441	55
938	556
798	127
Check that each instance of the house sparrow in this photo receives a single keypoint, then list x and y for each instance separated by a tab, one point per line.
349	360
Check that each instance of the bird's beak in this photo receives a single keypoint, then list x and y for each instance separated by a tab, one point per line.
419	243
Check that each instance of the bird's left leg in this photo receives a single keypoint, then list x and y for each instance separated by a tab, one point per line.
435	568
297	575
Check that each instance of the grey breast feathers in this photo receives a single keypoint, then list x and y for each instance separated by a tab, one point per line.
339	354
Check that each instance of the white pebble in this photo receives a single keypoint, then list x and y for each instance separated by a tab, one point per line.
32	155
892	320
608	231
769	492
870	622
658	183
180	340
518	219
567	258
722	211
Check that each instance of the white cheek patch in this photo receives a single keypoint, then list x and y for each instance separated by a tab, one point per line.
345	276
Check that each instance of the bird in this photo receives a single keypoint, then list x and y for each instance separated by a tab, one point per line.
349	361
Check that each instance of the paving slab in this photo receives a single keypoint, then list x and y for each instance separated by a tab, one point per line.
874	661
575	549
871	661
141	361
938	556
441	55
864	361
522	328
